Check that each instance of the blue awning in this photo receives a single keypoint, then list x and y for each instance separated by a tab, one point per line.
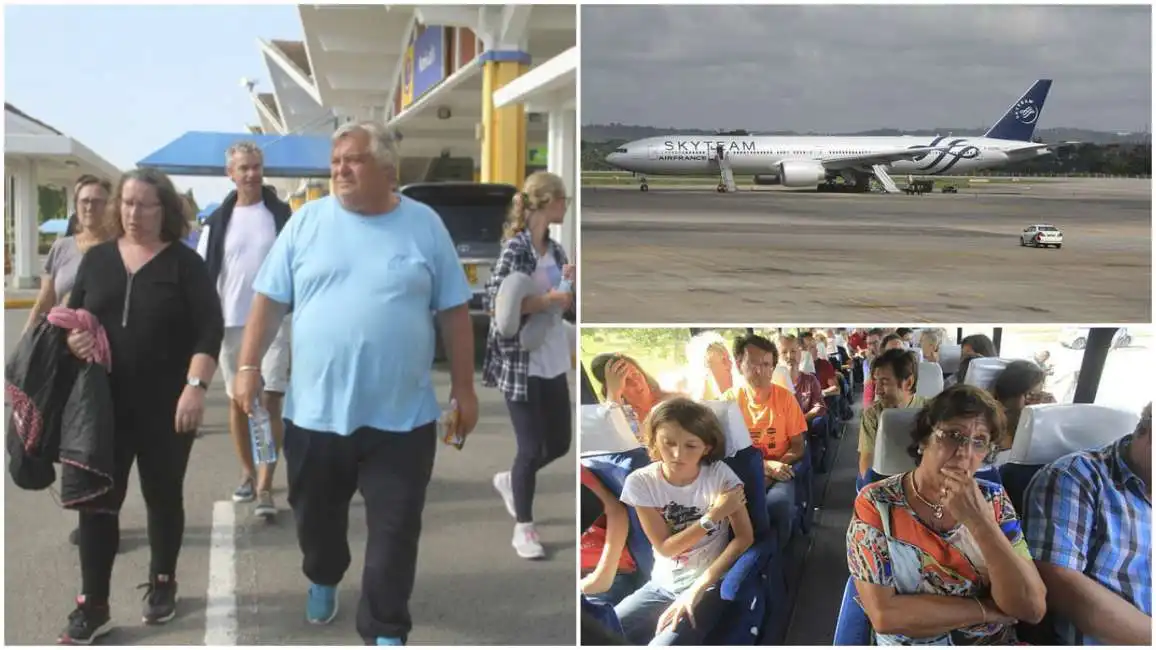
201	153
54	227
207	211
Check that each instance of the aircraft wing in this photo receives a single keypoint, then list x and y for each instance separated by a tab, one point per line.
878	157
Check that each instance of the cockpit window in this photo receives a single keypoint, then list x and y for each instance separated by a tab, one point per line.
620	150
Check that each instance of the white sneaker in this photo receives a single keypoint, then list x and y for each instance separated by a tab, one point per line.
506	489
526	542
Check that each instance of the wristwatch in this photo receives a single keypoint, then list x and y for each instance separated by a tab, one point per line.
196	382
707	525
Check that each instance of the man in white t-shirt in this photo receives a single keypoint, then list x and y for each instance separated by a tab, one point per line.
234	241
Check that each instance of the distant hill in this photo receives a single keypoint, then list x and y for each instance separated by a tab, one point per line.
627	132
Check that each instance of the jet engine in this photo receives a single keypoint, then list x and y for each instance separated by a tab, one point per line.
801	173
766	179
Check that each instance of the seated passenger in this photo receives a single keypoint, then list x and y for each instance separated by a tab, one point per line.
776	425
625	382
688	503
1089	525
872	350
975	345
894	377
938	557
1019	385
609	573
828	380
929	342
711	370
808	392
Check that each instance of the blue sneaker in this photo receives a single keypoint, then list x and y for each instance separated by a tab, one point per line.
321	608
244	492
389	640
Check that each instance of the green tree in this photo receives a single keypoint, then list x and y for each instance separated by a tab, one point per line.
52	204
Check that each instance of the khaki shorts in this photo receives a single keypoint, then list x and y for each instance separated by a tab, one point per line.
274	367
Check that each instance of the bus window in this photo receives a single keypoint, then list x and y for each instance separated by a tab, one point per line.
1122	383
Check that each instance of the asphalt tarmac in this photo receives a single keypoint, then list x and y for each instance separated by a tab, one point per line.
775	255
470	589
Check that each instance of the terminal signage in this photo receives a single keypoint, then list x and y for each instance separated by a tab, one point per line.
429	60
407	78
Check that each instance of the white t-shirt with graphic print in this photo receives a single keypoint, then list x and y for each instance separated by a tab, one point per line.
681	508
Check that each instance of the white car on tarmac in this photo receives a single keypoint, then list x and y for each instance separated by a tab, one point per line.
1042	235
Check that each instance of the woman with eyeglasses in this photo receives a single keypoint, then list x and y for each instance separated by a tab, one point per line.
939	557
154	299
64	256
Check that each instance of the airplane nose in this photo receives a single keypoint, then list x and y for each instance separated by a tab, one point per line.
613	157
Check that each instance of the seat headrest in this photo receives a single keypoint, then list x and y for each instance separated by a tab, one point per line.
604	428
949	356
983	371
1047	432
892	440
807	364
730	416
930	382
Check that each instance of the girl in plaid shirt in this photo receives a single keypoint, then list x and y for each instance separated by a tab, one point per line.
533	381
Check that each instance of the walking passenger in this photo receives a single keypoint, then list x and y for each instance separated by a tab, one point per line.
155	300
533	381
234	241
364	269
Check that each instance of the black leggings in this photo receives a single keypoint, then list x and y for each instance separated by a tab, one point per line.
542	426
162	457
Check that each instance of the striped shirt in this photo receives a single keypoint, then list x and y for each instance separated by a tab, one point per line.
1089	512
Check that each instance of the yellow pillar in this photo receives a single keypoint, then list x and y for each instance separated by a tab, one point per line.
504	129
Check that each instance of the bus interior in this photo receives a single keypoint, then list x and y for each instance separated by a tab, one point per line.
801	593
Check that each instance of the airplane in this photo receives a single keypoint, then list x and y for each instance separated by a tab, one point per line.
816	161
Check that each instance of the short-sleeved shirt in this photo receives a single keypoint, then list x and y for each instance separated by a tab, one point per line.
809	393
869	423
62	264
364	291
1089	512
774	423
594	537
888	545
682	507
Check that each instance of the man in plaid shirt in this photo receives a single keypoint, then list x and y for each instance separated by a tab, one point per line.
1089	528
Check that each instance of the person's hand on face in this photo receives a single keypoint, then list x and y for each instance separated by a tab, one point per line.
961	497
619	374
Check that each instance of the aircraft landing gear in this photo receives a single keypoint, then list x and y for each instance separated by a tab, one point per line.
721	188
643	186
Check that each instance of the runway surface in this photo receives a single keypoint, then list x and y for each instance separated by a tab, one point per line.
775	255
240	580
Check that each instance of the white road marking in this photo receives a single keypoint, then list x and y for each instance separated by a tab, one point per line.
221	597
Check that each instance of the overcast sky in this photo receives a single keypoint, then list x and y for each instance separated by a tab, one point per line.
849	68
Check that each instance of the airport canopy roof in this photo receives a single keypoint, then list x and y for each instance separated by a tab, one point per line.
60	158
201	153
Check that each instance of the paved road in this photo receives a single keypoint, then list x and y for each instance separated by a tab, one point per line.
782	256
471	586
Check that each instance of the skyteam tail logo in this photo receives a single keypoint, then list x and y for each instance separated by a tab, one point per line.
1026	111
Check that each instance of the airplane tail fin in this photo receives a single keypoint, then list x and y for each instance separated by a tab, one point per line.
1019	122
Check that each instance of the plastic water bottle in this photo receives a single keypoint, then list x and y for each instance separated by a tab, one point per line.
261	434
565	286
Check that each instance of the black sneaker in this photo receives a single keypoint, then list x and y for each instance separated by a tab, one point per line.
160	600
86	623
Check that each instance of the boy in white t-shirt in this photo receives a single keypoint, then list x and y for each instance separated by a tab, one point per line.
689	503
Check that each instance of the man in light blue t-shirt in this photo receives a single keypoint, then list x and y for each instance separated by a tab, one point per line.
364	271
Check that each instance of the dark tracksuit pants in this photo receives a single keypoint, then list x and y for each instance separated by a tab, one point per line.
392	471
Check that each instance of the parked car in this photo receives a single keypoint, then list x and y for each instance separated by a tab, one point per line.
474	214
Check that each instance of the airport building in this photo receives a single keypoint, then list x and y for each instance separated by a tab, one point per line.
475	93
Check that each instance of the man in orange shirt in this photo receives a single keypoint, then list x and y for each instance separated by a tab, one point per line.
777	426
